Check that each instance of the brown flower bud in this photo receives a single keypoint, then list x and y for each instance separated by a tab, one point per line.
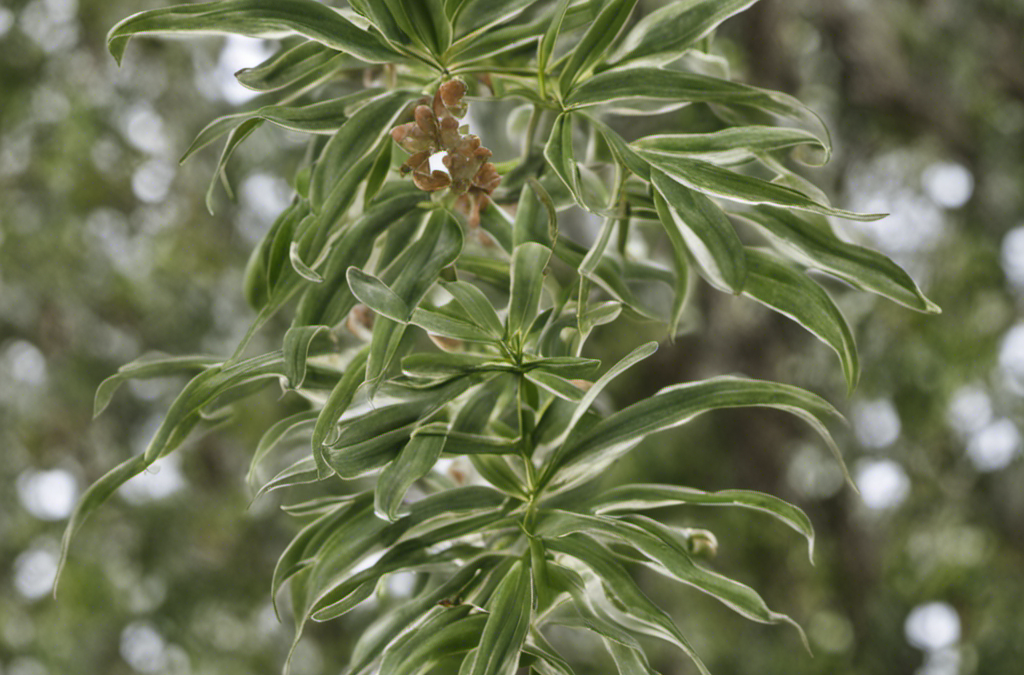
426	121
487	178
360	322
451	93
435	180
449	134
411	138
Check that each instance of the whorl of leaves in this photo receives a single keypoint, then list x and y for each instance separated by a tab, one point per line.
367	263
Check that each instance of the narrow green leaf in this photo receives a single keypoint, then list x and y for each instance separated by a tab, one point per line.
235	139
733	146
591	48
337	402
297	341
254	18
636	497
98	493
528	263
627	362
305	61
376	295
546	46
147	367
792	293
559	154
675	405
559	386
415	460
720	182
656	543
477	306
663	35
820	248
695	221
507	624
272	436
441	323
682	87
354	140
616	579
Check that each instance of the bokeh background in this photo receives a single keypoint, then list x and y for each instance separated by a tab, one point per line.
107	252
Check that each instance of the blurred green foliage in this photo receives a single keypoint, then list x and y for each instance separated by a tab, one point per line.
106	252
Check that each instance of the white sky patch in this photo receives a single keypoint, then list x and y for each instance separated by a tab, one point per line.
1012	257
25	363
151	182
932	626
48	495
34	572
239	52
970	409
883	484
995	446
143	648
949	184
1011	358
159	481
876	423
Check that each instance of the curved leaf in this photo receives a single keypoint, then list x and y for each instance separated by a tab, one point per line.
792	293
254	18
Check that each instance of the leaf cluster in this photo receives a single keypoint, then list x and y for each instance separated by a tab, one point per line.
367	265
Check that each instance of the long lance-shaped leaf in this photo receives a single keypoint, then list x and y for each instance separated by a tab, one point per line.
627	362
630	498
355	139
306	60
297	341
410	556
528	263
376	638
721	182
476	16
507	624
559	153
98	493
323	117
255	18
235	139
660	547
537	646
733	146
663	35
147	367
477	306
446	325
452	633
693	220
376	295
792	293
618	433
410	276
627	661
273	436
415	460
546	46
678	86
185	413
594	43
618	582
337	402
818	247
330	302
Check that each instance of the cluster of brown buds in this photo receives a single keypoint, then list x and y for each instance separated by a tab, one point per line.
437	129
